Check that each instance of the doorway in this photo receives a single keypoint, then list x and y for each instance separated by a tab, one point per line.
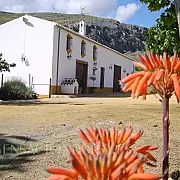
102	77
117	77
81	75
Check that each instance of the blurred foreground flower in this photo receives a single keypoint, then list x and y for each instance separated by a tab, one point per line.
161	73
109	157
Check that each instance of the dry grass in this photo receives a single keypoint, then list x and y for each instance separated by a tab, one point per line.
54	124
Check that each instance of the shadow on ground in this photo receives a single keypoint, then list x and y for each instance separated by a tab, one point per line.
31	103
56	99
14	152
98	95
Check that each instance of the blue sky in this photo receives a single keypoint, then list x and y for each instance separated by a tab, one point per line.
125	11
142	16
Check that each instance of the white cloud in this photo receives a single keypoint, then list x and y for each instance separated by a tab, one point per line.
104	8
123	13
94	7
15	8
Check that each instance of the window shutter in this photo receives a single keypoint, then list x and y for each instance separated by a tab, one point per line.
95	52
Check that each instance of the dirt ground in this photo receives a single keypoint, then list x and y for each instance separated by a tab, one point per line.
45	129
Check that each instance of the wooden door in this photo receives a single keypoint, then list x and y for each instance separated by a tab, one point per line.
81	74
117	77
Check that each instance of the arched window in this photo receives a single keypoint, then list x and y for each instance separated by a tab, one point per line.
95	52
69	43
83	48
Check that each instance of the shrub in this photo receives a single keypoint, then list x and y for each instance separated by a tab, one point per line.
110	156
16	89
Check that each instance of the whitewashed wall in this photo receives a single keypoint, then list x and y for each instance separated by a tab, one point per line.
106	57
36	41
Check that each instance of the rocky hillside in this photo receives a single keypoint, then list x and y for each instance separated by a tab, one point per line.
124	38
121	37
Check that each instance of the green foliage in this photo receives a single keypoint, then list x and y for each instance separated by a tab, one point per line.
164	36
155	5
16	89
4	66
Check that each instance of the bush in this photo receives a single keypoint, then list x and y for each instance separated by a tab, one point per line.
16	89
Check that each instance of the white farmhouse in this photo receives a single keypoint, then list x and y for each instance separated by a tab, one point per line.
43	50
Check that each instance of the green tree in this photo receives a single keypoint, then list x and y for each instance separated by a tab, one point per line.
155	5
4	66
164	36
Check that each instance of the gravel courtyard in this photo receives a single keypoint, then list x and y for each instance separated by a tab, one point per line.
34	136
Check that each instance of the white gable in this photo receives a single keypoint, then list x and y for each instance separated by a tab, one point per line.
31	38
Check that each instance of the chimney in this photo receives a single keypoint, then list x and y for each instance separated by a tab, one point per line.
82	28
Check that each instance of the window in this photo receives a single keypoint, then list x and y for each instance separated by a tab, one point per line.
69	44
95	52
83	48
102	78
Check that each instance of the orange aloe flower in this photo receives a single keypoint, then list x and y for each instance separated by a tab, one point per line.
108	159
104	138
161	72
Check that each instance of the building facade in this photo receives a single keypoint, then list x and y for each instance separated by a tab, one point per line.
42	50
